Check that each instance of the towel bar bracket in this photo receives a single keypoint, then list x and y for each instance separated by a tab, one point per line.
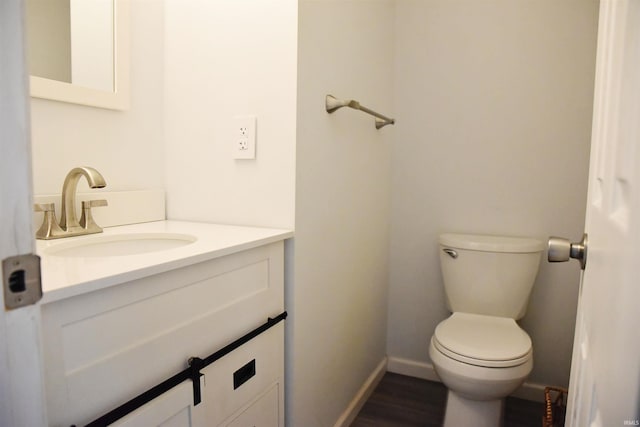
332	104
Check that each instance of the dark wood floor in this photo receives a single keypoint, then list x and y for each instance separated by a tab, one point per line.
401	401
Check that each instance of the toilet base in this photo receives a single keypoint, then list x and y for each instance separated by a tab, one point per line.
477	413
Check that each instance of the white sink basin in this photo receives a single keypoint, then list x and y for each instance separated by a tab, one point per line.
109	245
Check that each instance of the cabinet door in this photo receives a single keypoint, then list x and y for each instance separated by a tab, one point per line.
172	409
262	413
239	380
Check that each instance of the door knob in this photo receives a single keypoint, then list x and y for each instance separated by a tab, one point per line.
560	250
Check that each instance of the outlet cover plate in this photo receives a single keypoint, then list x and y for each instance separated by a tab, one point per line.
243	137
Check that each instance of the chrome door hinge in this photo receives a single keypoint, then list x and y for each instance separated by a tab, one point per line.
21	281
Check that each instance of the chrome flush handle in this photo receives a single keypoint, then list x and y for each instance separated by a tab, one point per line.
452	253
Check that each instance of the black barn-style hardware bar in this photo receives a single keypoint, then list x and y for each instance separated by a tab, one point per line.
192	372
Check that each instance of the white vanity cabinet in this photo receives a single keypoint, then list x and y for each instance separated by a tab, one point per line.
107	346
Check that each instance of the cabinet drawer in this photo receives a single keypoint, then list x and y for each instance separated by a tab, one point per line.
243	376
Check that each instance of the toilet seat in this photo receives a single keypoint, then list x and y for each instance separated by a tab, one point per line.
480	340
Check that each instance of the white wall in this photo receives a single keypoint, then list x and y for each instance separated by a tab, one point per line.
125	146
494	103
226	58
337	302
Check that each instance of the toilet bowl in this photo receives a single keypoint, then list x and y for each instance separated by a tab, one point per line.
481	359
480	353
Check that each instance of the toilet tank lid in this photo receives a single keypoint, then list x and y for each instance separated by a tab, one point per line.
488	243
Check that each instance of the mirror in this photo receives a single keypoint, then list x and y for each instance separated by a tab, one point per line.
78	51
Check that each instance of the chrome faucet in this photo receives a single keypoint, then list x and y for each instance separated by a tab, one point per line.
69	224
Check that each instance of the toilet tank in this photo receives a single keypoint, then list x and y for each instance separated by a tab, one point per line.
491	275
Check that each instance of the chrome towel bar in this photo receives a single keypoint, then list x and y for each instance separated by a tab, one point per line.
332	104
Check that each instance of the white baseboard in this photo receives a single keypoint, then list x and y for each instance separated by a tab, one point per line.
363	394
530	391
413	368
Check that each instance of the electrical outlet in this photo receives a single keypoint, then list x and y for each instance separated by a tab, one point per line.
244	137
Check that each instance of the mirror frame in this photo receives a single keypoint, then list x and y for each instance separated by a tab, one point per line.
116	100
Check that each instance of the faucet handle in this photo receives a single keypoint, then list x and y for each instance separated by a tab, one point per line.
94	203
86	220
44	207
49	228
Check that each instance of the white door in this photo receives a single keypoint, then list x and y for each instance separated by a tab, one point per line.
604	389
22	401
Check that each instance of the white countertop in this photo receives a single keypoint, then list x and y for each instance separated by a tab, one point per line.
64	277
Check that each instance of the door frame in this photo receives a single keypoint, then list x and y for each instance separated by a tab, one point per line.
22	397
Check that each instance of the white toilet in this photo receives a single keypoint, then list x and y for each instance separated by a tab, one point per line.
480	353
